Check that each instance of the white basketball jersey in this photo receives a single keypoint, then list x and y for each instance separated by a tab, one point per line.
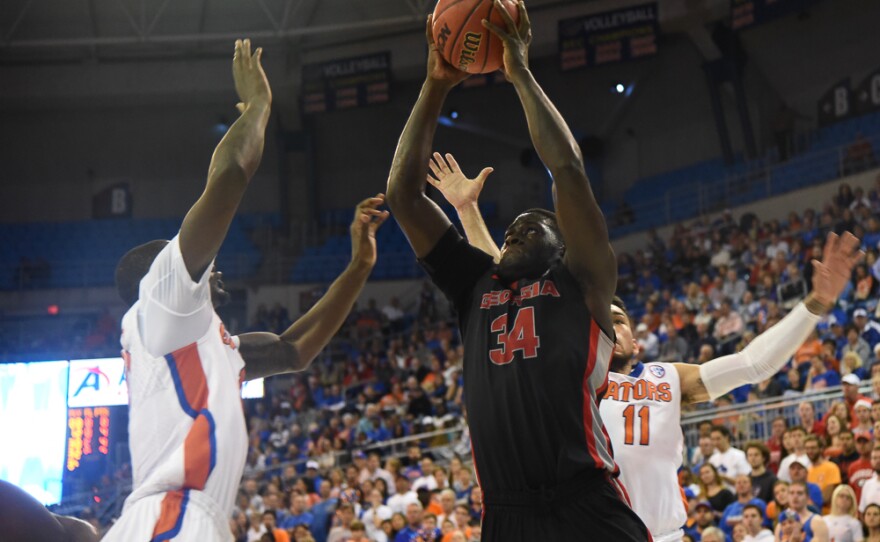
186	423
642	414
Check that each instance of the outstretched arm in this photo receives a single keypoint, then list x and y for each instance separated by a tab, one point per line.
420	218
266	354
234	162
771	350
588	253
463	193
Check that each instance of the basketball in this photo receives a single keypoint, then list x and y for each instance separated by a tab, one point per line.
463	40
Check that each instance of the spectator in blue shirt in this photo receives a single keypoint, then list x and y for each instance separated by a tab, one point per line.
323	512
798	471
299	514
415	530
733	514
821	376
870	330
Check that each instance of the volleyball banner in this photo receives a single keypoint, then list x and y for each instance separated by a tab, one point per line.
612	36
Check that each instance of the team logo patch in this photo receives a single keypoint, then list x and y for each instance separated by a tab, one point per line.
658	371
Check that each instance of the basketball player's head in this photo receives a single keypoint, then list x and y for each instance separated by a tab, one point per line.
532	243
135	265
625	346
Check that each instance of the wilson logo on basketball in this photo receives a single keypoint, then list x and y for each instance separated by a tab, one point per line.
469	49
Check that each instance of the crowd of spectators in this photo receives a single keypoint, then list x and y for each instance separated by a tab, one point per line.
704	292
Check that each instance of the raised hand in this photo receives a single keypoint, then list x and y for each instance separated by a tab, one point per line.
830	276
367	219
438	69
458	190
250	79
516	38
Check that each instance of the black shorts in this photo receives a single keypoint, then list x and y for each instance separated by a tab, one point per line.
587	509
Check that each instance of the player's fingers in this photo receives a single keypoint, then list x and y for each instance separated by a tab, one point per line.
383	216
481	178
432	181
429	30
504	36
453	164
830	245
525	24
508	20
241	107
435	169
441	163
849	243
258	56
247	50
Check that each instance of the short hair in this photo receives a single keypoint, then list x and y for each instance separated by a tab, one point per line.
813	438
134	266
761	447
357	525
802	484
269	512
797	428
754	507
721	429
618	302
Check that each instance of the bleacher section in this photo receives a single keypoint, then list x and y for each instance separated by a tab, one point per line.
657	200
711	186
84	253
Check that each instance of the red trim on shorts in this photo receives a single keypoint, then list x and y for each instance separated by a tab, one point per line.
479	483
171	516
588	398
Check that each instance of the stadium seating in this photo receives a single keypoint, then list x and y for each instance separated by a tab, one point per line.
84	253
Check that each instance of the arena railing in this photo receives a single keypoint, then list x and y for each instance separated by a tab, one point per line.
752	421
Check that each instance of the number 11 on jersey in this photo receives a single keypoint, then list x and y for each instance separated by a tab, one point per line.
629	417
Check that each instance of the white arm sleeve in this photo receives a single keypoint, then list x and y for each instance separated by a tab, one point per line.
173	310
763	357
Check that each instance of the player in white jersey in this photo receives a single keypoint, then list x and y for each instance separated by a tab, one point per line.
187	430
641	408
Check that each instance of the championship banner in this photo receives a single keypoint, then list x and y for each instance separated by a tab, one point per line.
867	95
746	13
347	83
613	36
835	104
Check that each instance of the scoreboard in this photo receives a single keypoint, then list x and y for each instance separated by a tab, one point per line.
88	433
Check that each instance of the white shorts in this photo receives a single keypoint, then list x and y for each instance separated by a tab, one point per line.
186	515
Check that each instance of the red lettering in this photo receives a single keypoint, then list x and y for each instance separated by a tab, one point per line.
549	289
504	297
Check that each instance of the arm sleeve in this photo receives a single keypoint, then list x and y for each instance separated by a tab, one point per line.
763	357
455	266
173	310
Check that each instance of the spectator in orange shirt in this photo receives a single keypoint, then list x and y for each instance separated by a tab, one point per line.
811	348
823	473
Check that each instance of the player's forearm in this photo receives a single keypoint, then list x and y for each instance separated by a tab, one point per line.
311	333
239	152
765	355
409	168
476	231
550	135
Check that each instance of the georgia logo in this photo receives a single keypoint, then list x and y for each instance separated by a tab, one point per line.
658	371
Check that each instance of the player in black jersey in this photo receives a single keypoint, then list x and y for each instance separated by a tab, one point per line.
537	327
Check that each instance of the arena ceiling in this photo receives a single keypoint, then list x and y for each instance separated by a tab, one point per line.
40	30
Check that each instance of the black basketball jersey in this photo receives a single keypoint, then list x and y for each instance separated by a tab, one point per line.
534	360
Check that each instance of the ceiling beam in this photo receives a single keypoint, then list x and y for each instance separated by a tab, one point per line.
159	13
215	37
